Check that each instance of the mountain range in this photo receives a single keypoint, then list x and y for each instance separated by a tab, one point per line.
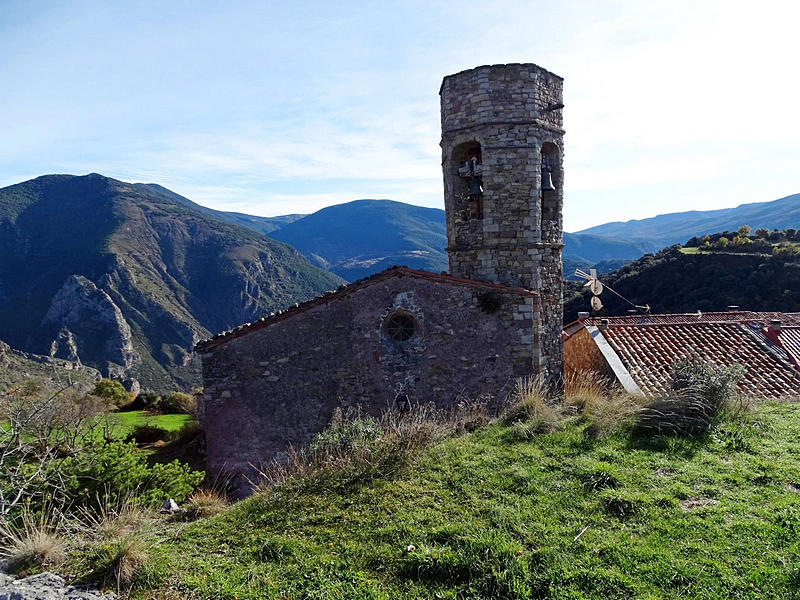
126	278
358	238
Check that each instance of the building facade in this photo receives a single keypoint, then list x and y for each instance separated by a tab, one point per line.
431	338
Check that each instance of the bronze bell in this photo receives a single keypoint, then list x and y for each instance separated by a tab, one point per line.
475	188
547	181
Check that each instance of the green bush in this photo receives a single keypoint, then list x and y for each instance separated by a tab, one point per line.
346	432
146	400
113	391
178	403
117	470
147	434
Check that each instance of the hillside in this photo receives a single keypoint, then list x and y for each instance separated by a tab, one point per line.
679	279
127	278
495	515
673	228
363	237
19	367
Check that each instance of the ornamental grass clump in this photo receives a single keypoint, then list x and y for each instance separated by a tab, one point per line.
33	540
357	448
701	394
205	503
530	406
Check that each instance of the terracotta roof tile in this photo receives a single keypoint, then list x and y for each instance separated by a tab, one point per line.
647	350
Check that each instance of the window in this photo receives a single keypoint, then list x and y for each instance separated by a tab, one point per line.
400	327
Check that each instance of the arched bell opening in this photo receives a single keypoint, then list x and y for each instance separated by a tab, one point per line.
550	189
468	167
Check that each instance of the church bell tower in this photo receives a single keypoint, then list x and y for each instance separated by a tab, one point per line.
502	158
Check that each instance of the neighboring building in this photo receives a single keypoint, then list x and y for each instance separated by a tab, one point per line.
434	338
638	350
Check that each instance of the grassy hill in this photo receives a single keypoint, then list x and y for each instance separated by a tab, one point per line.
688	279
496	514
129	277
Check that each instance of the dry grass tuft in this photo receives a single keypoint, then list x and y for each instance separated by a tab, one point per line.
120	561
585	388
529	405
205	503
34	540
356	448
111	521
611	413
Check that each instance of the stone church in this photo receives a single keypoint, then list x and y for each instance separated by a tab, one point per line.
429	337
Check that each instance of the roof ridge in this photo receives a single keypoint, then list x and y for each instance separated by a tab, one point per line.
342	291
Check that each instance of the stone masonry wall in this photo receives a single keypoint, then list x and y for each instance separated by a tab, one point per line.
511	111
279	384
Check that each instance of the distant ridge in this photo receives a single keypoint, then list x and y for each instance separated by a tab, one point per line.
675	228
359	238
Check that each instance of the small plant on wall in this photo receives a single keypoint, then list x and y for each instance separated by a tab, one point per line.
489	302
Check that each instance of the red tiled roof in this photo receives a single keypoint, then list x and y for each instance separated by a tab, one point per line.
647	351
343	291
788	339
737	316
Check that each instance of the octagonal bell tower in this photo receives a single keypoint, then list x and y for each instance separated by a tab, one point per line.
502	158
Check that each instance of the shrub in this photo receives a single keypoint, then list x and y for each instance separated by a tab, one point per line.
346	432
146	400
113	391
113	471
147	434
701	392
33	540
179	403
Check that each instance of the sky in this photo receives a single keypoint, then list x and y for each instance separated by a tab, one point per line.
272	108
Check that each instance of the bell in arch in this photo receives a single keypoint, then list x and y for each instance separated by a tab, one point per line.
547	174
547	181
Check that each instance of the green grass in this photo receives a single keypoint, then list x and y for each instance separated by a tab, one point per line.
485	516
124	422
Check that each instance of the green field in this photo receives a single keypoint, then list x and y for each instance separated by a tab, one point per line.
123	423
487	515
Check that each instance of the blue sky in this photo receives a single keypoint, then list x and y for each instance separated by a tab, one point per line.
280	107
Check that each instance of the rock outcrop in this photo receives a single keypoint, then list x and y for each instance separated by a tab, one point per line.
46	586
90	327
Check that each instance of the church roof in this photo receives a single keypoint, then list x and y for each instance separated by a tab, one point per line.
343	291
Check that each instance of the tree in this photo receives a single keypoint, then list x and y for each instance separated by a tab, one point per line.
743	231
40	427
110	390
762	233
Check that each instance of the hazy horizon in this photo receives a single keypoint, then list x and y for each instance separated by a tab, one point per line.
271	110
